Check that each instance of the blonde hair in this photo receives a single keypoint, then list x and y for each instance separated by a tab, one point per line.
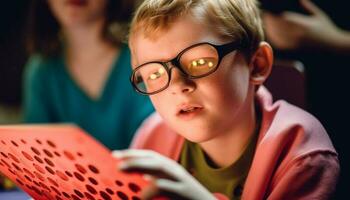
233	20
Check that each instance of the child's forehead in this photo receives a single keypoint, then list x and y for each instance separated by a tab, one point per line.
166	44
162	49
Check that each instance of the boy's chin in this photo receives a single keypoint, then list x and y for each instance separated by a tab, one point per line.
198	136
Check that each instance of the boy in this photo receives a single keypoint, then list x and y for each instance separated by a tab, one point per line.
203	63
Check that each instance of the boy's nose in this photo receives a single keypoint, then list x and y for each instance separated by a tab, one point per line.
179	83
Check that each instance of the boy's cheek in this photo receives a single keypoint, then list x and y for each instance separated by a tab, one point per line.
160	102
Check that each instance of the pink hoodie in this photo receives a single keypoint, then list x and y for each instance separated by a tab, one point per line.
294	157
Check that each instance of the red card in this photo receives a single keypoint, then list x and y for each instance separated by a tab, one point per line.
63	162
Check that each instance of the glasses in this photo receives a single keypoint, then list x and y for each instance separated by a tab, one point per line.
196	61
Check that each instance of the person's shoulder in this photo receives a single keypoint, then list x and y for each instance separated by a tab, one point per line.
283	114
284	123
321	166
291	114
38	66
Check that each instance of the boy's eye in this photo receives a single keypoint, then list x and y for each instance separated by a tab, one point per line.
207	62
155	75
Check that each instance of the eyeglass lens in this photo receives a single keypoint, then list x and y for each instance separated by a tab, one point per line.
194	62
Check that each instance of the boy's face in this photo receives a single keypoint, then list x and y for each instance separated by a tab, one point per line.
198	109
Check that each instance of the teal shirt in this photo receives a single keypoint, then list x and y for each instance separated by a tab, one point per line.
51	95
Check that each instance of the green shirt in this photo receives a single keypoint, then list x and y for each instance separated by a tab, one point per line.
228	180
51	95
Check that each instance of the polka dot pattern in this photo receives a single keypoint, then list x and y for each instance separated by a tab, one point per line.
61	162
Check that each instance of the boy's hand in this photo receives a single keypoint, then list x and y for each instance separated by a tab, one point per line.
167	177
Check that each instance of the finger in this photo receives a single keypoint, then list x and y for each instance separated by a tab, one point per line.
174	190
150	166
310	7
169	186
130	153
295	18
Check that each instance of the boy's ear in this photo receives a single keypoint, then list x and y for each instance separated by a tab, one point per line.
261	64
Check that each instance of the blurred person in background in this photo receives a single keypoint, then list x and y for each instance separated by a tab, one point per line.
295	31
79	69
317	33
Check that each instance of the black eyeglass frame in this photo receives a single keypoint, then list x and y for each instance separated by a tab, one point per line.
222	50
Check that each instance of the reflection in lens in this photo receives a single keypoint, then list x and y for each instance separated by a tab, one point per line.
201	66
150	78
199	60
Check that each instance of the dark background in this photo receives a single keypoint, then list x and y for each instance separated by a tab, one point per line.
326	75
12	53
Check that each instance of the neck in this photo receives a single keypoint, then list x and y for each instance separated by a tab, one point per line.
85	41
234	140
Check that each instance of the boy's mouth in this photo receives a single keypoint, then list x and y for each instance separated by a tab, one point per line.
188	110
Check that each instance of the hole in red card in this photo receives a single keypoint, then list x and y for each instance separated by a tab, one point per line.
69	174
51	144
77	192
19	181
75	197
38	141
57	154
14	143
29	179
13	157
61	175
122	195
66	195
80	168
28	172
105	196
48	153
79	176
39	176
135	198
36	151
4	155
52	181
91	189
93	169
93	181
37	158
69	155
26	155
50	170
89	196
109	191
133	187
55	190
7	165
49	162
119	183
40	169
